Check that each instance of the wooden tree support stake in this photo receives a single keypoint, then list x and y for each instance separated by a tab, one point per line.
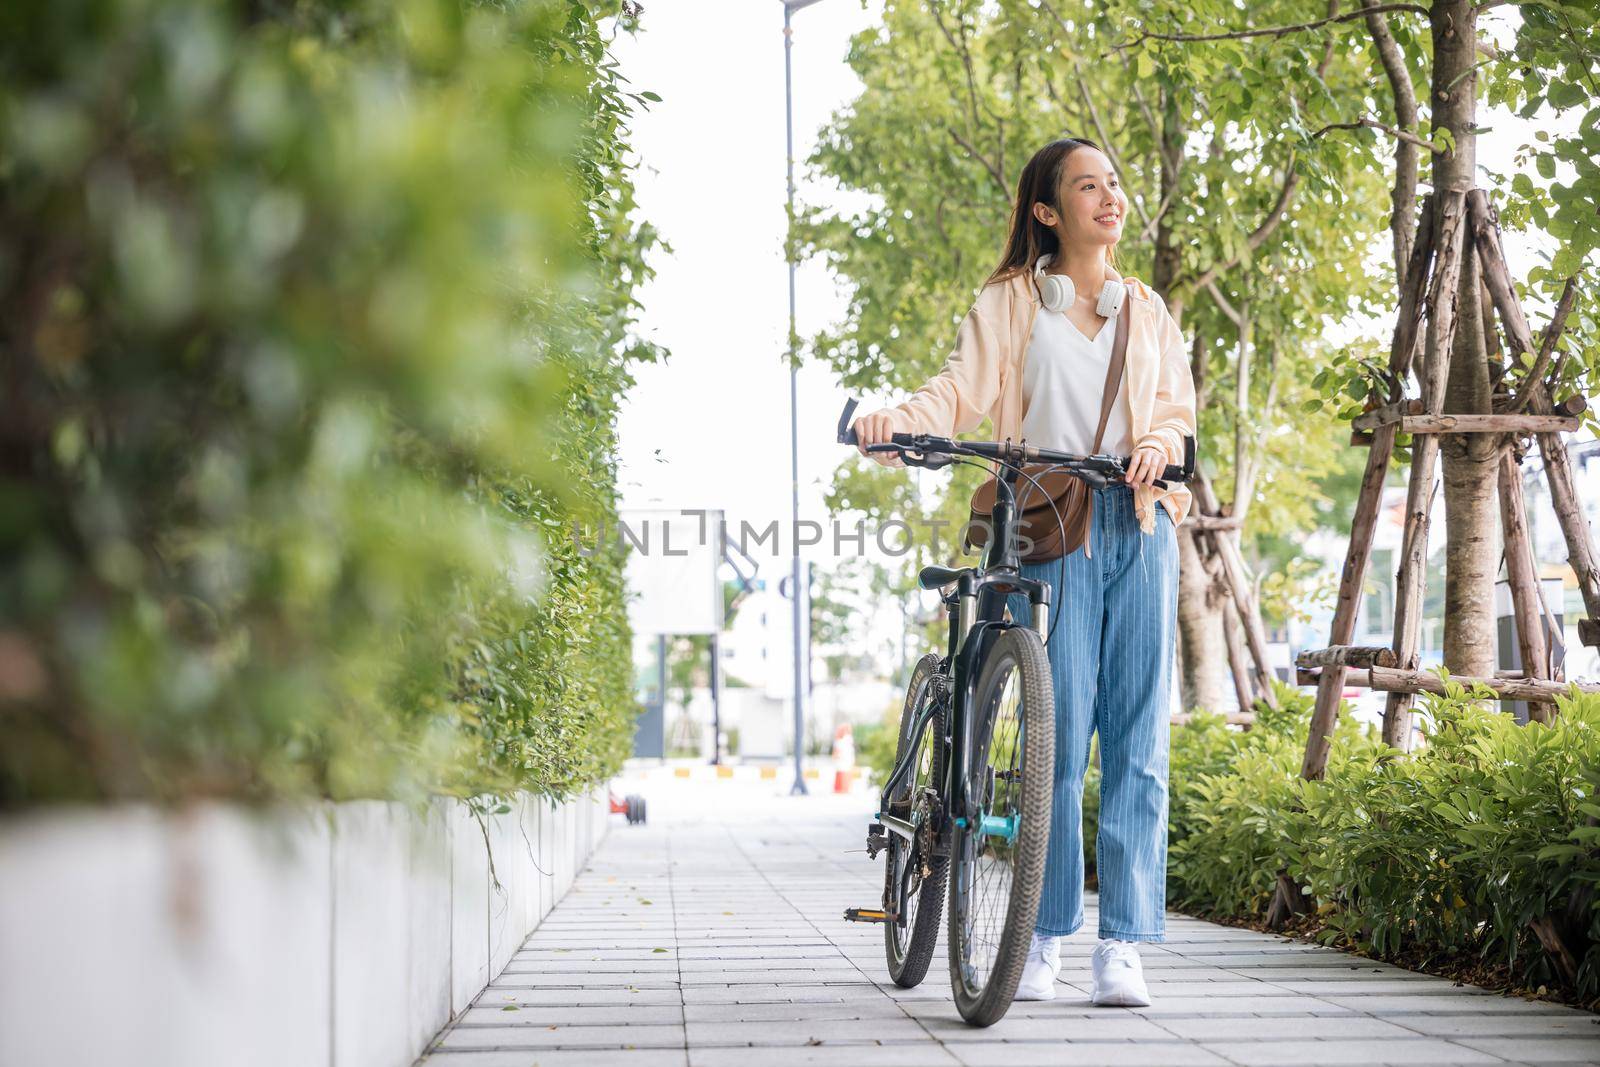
1523	577
1557	465
1487	424
1214	523
1330	682
1411	575
1388	413
1400	680
1237	579
1347	656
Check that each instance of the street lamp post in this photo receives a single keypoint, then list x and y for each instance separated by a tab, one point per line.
797	590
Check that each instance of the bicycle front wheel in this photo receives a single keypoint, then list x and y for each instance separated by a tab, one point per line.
997	860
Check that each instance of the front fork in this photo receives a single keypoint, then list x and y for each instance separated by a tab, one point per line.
973	634
964	809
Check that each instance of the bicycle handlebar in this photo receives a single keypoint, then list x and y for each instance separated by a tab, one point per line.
938	452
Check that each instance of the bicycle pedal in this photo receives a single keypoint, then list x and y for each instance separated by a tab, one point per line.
866	915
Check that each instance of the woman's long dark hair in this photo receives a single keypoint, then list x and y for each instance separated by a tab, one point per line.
1040	181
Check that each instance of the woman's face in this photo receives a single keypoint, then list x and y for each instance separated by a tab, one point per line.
1092	203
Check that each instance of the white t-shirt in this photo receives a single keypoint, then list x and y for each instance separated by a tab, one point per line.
1063	381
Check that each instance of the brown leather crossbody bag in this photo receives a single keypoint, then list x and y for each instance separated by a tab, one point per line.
1037	511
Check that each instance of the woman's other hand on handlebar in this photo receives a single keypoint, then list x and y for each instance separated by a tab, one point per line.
876	429
1145	466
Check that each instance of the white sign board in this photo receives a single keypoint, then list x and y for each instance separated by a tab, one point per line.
672	570
780	640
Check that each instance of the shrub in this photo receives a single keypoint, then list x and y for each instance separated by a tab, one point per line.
1461	849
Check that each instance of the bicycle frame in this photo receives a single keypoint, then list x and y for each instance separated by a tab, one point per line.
980	601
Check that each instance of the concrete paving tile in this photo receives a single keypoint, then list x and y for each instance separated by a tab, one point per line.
1577	1023
827	1055
1282	1028
1402	1003
1572	1049
1385	986
498	995
611	1057
1286	1004
753	994
659	965
1415	1050
1106	1026
1085	1054
854	1008
568	1015
780	1032
589	979
775	976
535	1037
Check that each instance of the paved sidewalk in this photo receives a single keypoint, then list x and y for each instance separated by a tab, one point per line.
713	937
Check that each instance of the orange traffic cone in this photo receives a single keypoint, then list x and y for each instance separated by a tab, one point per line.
844	757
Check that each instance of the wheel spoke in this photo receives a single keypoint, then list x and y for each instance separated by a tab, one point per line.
990	871
909	942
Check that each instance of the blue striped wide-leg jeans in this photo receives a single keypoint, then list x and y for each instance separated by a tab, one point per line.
1111	654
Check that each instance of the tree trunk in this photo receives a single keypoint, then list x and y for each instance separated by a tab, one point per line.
1469	461
1203	653
1199	628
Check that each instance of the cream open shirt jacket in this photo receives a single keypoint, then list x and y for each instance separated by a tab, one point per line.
983	378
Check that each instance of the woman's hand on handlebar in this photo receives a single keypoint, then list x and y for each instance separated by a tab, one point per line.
875	429
1145	466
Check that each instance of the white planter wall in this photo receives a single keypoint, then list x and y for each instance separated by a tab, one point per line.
325	935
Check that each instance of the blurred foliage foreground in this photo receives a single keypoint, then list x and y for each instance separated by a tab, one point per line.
314	317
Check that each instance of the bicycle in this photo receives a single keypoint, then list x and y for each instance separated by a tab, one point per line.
968	800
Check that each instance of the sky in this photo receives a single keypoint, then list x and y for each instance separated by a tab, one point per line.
709	428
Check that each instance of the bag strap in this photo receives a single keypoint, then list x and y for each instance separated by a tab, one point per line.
1119	352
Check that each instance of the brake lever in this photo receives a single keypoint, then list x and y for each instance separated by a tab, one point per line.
1093	478
914	458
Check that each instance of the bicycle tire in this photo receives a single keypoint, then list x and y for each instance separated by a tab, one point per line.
909	946
986	966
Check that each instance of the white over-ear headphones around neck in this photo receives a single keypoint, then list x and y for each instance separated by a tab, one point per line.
1059	293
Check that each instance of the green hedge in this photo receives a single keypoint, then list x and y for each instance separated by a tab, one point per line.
315	315
1449	853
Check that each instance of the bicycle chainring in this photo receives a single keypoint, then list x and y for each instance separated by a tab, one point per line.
925	805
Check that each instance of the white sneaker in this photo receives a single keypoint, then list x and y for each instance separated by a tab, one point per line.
1038	980
1118	976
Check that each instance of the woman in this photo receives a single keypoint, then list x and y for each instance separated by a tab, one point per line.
1038	373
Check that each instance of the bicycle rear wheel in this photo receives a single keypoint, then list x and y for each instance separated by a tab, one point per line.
911	872
997	862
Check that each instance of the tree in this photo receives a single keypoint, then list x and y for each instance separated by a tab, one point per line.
1255	230
1551	66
